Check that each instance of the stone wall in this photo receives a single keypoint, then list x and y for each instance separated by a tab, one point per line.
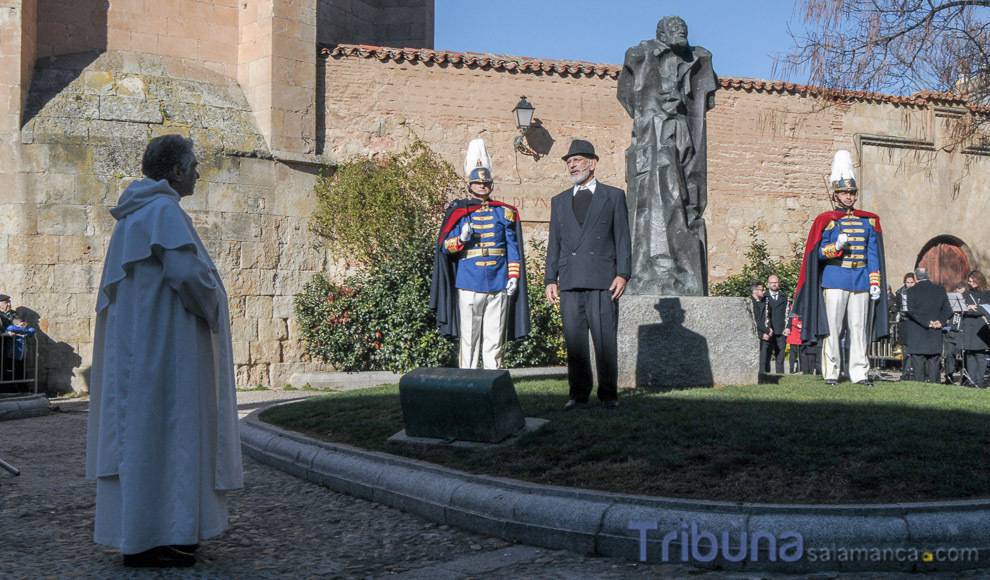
770	145
88	123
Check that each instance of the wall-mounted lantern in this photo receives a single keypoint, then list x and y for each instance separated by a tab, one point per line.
524	118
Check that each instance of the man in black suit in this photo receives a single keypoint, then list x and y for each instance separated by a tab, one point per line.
757	295
779	324
589	261
928	310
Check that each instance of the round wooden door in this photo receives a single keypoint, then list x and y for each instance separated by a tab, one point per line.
946	261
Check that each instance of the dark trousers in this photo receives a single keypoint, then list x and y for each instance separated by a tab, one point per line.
778	342
764	356
976	366
594	310
925	367
951	363
794	359
811	360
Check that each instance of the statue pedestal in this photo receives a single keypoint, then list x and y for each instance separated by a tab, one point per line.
686	341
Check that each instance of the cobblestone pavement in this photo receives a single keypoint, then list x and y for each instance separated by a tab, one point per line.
281	527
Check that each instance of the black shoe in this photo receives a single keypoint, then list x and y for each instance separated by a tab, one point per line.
610	404
160	557
572	404
187	548
831	382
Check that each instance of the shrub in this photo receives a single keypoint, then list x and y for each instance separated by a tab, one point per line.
759	265
370	208
377	319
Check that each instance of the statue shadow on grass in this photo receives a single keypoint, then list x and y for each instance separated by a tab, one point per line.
669	355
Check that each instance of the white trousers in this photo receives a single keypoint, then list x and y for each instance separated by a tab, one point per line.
840	304
482	328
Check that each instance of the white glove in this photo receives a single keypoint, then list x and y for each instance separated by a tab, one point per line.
874	293
466	231
841	241
510	287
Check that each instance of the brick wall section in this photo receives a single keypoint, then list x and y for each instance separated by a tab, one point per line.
769	151
406	23
754	155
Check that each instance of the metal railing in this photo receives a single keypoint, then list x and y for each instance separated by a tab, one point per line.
19	370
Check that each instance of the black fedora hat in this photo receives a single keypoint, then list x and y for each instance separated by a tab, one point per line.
581	147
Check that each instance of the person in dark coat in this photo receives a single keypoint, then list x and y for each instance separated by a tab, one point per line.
900	307
928	311
975	330
777	311
7	344
589	262
757	297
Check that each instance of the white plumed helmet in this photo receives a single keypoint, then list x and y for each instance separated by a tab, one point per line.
843	178
477	163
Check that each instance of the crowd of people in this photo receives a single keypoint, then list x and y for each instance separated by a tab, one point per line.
943	338
938	339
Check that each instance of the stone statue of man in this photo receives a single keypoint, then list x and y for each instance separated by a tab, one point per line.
667	86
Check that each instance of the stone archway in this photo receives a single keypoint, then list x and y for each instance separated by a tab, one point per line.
947	260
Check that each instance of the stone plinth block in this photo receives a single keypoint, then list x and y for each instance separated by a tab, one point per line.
686	341
460	404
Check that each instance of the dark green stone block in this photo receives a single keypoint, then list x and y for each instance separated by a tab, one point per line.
460	404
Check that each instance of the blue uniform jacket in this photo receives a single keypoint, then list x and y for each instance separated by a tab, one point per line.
491	256
858	263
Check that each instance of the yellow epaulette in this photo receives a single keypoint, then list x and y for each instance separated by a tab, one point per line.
509	214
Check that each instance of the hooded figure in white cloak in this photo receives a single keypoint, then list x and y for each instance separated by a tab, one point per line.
162	439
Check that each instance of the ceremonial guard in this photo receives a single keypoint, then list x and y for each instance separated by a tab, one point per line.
842	278
478	290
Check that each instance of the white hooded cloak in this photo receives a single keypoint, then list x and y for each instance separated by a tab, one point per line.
162	440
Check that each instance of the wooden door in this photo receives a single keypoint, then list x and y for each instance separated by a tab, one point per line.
947	263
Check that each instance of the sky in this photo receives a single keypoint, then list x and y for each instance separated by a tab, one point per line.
743	35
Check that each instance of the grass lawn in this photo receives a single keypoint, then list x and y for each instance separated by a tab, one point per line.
797	441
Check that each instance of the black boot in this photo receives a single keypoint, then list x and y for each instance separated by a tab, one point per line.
159	557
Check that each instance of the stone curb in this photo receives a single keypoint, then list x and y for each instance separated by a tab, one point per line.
593	522
340	381
22	407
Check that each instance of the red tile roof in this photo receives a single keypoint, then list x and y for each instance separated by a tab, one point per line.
587	69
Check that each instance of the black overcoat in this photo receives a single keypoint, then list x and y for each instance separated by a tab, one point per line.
926	302
975	331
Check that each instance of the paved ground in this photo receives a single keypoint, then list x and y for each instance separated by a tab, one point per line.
282	527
